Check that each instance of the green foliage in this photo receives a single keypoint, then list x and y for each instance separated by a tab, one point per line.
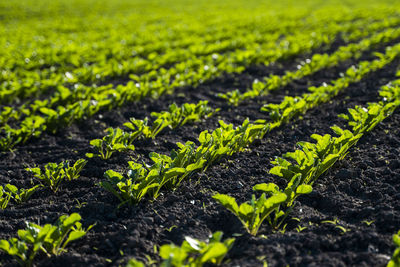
50	239
252	213
316	63
116	140
53	173
18	195
119	140
170	171
72	172
71	71
193	252
273	205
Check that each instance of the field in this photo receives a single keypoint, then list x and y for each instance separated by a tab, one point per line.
190	133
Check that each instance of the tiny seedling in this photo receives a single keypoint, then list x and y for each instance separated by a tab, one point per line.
368	222
300	228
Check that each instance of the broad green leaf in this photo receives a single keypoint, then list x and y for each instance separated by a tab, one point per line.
213	252
275	200
75	235
304	189
72	219
245	211
228	202
4	245
267	188
174	172
96	142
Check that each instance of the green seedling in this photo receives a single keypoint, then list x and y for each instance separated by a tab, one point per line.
193	252
20	195
72	172
50	239
273	205
116	140
252	213
53	173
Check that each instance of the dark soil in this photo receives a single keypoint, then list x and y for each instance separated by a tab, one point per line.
362	192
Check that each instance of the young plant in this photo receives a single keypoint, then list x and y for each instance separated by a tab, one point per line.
193	252
72	172
20	195
116	140
313	159
253	213
273	205
292	191
51	239
178	116
119	140
53	173
66	230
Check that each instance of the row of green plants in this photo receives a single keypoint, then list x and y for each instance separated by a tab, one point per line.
192	252
33	121
302	167
122	61
169	171
52	240
127	42
118	140
347	30
137	60
64	94
48	239
316	63
50	176
297	105
34	84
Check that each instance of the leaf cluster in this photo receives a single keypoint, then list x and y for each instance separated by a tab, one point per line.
169	171
53	174
193	252
119	140
49	239
19	196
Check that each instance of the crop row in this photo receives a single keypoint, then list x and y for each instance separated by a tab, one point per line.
119	46
316	63
87	101
119	140
300	169
36	84
304	166
169	171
